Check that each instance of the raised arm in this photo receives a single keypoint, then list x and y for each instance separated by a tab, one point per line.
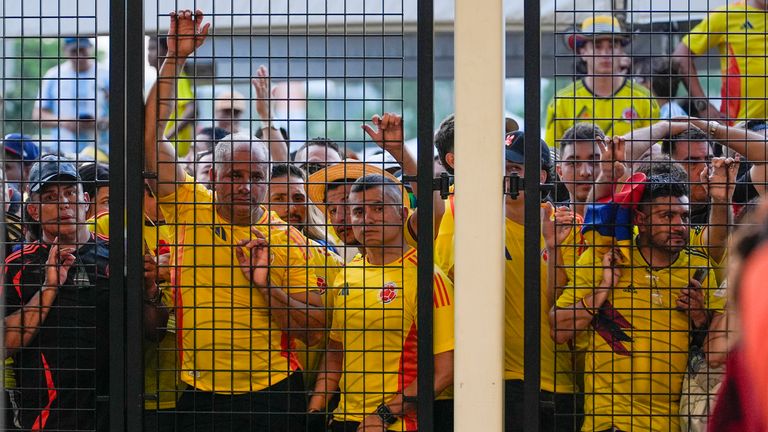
684	59
278	148
720	185
389	136
185	35
612	168
752	145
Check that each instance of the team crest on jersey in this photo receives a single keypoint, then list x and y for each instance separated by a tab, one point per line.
322	284
388	292
630	114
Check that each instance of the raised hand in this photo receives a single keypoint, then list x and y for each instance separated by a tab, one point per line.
185	34
58	264
612	151
720	181
262	87
388	133
556	224
254	264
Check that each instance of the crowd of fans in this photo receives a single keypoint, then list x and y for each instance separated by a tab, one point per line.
280	284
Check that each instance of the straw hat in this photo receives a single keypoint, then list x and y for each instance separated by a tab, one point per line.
349	170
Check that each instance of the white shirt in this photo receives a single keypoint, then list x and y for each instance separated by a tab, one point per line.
70	95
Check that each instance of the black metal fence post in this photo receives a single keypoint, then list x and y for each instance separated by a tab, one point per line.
425	105
117	347
134	222
532	302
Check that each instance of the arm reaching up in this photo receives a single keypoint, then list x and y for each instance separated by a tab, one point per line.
388	135
278	149
184	37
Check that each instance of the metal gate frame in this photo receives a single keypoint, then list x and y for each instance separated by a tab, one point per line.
126	399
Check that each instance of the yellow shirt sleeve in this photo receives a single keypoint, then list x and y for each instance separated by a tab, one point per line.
187	197
289	261
549	135
443	313
707	34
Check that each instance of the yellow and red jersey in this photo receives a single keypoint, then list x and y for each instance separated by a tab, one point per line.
228	341
739	33
638	342
374	318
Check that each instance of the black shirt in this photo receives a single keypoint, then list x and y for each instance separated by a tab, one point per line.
62	369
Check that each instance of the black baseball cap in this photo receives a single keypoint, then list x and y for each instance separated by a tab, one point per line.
52	169
514	150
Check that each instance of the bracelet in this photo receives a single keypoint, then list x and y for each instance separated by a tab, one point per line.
713	126
586	308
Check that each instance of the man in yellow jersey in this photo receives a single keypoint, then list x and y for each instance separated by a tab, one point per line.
605	97
738	30
638	308
559	409
180	129
329	189
444	224
373	334
243	286
288	199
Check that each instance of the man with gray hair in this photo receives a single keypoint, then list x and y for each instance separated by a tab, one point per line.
241	273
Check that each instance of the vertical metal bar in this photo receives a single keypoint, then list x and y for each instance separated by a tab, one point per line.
134	223
479	215
425	173
532	280
117	63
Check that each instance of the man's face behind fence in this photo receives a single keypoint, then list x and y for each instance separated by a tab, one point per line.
59	208
377	216
664	223
240	181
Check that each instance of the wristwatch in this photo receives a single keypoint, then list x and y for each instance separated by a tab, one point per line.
385	414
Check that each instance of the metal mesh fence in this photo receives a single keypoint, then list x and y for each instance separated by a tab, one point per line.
270	264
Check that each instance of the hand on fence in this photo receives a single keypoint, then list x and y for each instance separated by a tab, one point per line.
556	224
58	264
185	34
255	264
721	181
388	133
691	300
612	151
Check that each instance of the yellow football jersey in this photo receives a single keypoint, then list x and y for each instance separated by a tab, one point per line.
631	107
325	265
444	252
374	317
739	33
636	358
229	342
556	364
